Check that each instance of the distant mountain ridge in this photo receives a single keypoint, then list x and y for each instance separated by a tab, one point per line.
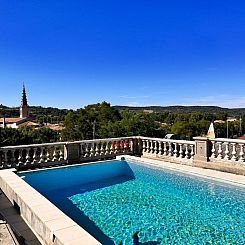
186	109
39	110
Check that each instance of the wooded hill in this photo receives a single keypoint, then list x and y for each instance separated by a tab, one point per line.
187	109
38	111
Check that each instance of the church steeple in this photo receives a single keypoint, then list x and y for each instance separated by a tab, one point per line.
24	109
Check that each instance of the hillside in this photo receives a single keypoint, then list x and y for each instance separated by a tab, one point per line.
38	111
35	112
187	109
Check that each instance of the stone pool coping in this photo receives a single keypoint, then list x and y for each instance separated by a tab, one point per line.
215	175
49	223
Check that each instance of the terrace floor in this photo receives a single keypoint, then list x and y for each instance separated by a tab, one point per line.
13	229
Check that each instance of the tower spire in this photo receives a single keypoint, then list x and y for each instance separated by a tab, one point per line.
24	109
24	99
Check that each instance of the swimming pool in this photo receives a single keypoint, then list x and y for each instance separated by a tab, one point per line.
114	199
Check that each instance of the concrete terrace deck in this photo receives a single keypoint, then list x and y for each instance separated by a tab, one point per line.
13	229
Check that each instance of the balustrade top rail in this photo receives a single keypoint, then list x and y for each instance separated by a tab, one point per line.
189	142
238	141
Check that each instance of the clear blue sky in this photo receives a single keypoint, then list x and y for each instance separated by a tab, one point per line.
73	53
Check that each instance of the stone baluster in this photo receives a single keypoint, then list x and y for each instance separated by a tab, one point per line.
148	146
107	148
97	148
35	156
87	150
55	155
49	156
160	148
170	149
111	149
187	155
144	145
219	150
156	150
130	145
181	152
12	157
226	157
241	154
233	153
61	153
102	148
165	151
213	149
175	150
42	155
192	152
152	147
20	158
125	143
119	146
92	149
28	157
115	147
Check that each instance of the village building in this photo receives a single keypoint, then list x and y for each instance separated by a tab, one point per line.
23	120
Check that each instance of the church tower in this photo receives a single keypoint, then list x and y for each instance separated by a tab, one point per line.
24	109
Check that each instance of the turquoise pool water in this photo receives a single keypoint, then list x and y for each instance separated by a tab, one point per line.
165	207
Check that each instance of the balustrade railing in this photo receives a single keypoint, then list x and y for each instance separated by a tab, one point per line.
29	155
227	149
104	147
36	155
166	148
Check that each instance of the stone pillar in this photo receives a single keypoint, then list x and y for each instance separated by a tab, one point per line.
137	147
202	151
72	152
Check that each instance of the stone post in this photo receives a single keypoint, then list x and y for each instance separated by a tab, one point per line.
202	151
72	152
137	147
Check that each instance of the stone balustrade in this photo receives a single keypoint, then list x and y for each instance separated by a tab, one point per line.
221	154
31	155
41	155
180	151
227	149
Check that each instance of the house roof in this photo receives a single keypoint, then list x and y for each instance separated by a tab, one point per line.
29	124
13	120
54	126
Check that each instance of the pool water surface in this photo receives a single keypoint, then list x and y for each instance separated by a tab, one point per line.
119	198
